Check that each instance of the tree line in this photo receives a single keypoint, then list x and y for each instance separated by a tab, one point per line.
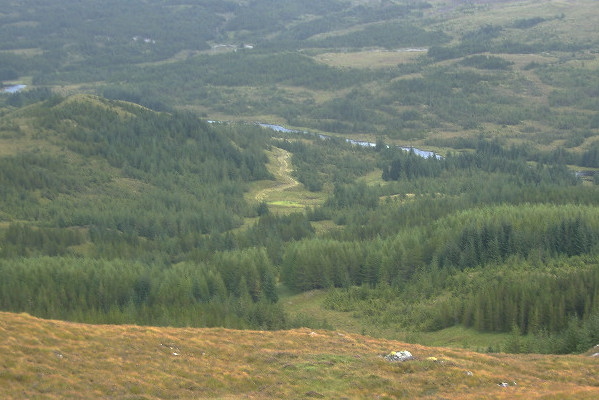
236	289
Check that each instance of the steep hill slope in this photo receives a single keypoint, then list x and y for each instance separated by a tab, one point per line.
56	360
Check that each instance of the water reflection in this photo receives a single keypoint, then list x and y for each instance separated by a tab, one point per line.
13	88
418	152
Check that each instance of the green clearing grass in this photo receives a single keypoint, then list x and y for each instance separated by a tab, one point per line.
459	337
369	59
325	226
284	194
310	304
286	204
373	178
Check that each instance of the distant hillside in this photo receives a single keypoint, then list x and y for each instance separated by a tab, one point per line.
114	213
141	165
412	71
45	359
88	180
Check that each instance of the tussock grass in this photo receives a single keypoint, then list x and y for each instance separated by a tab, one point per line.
57	360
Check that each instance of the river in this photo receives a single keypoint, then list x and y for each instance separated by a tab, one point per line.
13	88
419	152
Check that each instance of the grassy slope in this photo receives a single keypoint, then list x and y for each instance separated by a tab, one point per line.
57	360
310	304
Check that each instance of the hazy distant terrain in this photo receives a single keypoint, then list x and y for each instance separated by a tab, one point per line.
514	67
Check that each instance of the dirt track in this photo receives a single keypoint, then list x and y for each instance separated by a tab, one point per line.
280	166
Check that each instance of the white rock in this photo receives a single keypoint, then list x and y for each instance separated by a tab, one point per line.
399	356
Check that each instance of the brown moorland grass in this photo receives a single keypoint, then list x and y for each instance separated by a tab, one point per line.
44	359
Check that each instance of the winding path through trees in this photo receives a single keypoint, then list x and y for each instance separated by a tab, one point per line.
280	166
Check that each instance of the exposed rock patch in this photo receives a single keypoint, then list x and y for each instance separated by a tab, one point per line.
399	356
